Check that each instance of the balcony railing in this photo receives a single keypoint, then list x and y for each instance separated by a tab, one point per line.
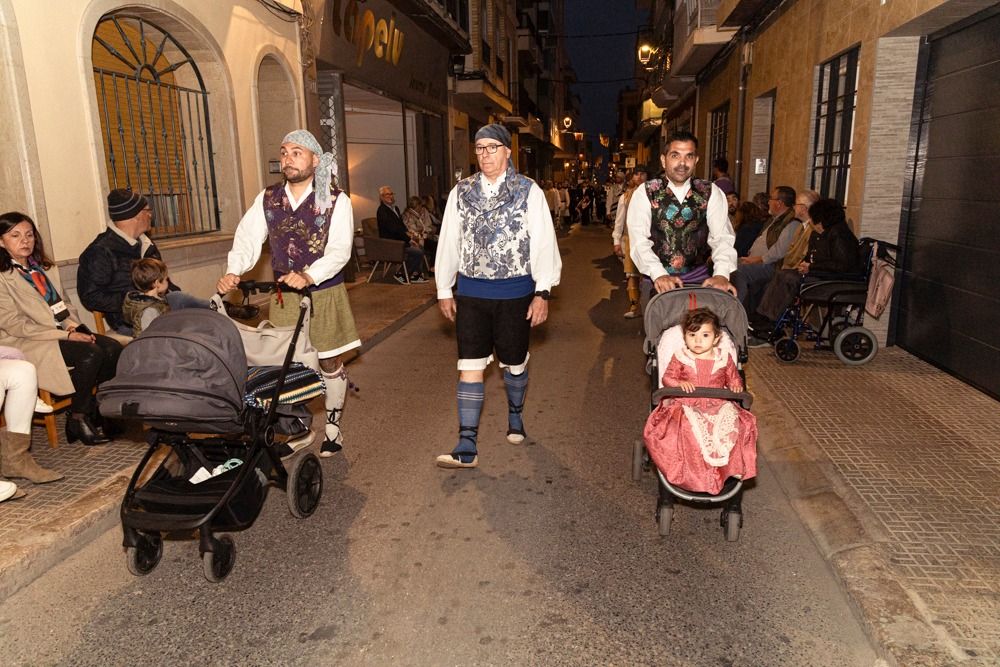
700	13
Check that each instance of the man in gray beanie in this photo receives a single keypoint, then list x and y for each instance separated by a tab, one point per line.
497	259
104	275
310	225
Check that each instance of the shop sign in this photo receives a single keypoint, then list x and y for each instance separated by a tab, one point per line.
367	32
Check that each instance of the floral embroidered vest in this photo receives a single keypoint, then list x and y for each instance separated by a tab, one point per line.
298	238
679	229
495	243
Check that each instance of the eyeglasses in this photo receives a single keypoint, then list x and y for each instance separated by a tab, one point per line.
488	148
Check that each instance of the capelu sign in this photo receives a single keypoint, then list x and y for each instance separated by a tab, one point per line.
367	33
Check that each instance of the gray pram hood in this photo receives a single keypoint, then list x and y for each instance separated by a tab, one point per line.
666	309
186	372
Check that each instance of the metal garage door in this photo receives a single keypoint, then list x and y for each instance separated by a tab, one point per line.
948	298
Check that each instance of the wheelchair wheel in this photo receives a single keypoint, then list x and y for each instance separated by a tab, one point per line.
855	346
837	327
145	556
305	486
787	350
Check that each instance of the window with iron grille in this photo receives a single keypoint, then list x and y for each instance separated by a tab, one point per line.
836	97
719	134
155	126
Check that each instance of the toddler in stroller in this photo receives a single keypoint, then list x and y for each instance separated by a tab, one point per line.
702	443
212	455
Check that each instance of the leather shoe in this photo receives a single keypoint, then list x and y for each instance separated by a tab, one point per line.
80	428
241	311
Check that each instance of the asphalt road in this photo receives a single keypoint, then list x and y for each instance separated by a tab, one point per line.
546	555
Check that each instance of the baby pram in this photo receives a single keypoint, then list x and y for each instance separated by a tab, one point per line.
211	456
841	303
663	312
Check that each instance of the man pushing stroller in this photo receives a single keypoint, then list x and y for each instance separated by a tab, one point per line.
310	225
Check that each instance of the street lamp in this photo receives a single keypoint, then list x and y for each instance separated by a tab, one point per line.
567	121
646	53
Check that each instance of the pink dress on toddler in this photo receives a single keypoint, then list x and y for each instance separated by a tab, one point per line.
697	443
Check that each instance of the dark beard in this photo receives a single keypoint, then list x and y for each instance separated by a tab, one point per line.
302	176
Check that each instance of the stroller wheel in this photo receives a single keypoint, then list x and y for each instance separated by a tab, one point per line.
731	523
787	350
663	518
305	486
219	563
145	556
637	460
855	346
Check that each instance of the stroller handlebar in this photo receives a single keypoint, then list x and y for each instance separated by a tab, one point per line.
249	287
745	398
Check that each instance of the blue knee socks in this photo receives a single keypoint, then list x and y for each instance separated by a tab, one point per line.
470	405
516	385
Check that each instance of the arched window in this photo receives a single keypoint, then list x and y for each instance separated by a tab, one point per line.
155	128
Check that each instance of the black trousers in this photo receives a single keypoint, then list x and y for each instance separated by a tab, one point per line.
89	364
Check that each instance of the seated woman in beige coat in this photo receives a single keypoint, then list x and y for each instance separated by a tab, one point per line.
35	320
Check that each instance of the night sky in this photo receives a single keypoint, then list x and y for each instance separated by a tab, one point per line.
598	58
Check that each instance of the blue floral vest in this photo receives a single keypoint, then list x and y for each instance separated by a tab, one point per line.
495	243
679	230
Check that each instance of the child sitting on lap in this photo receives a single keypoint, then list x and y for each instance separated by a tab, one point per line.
146	303
697	443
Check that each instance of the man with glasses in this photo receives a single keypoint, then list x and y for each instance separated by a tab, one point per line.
770	248
391	226
497	259
104	275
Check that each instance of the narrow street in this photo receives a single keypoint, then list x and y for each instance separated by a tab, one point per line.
546	554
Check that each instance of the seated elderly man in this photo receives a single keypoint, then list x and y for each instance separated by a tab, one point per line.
391	226
772	244
104	276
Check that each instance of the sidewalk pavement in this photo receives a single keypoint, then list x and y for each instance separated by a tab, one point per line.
893	466
56	520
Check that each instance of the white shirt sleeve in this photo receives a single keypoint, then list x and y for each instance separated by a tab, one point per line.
638	221
250	236
619	230
339	242
449	241
721	238
546	262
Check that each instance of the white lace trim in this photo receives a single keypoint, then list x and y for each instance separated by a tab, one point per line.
716	434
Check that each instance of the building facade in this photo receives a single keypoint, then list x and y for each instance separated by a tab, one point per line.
179	100
878	105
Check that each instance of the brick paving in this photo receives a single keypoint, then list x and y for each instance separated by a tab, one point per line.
922	452
84	467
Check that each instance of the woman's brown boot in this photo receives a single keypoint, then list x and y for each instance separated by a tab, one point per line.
16	459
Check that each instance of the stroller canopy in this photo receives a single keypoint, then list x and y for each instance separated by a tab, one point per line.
666	309
187	371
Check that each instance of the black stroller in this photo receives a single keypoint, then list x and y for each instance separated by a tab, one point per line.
211	454
662	312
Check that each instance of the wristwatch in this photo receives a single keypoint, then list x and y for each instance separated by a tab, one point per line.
544	293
